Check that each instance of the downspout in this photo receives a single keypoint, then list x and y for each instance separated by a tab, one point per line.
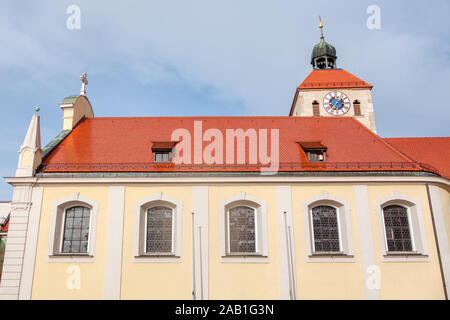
193	258
201	261
437	242
290	260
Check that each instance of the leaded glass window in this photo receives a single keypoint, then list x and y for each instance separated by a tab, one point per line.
241	224
396	223
159	230
325	229
76	230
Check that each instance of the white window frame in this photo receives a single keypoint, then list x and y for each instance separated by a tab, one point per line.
416	229
314	252
342	206
261	236
140	229
57	220
172	252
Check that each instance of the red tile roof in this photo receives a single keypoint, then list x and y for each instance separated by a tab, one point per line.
332	78
124	144
432	151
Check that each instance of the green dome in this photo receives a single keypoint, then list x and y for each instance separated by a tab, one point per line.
323	48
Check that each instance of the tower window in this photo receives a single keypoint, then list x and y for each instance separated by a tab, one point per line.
316	110
357	107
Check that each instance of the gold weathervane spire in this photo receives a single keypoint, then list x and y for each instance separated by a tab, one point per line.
321	28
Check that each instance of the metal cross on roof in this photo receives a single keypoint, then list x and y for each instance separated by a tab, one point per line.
84	83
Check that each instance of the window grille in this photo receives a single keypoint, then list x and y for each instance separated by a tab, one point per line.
241	223
325	229
159	230
76	230
396	223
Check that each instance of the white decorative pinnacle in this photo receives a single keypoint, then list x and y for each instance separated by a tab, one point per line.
84	83
30	153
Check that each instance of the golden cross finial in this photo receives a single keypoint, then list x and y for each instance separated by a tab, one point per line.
321	27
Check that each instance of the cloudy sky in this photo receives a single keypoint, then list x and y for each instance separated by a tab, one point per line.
216	57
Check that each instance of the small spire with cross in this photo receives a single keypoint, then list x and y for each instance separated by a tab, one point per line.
84	83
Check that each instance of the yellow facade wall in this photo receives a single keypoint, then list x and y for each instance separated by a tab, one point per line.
229	280
158	280
50	278
324	280
445	200
407	280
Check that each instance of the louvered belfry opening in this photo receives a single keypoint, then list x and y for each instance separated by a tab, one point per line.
316	109
357	108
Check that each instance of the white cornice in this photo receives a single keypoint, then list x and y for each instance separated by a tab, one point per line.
17	181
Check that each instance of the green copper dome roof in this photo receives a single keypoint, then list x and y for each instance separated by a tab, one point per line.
323	48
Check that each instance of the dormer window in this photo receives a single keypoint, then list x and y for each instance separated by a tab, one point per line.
162	151
316	156
314	150
162	156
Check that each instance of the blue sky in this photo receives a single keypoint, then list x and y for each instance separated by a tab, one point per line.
209	57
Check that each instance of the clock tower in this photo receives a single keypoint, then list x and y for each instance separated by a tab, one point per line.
332	92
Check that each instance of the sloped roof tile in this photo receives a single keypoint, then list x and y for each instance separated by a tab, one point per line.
125	144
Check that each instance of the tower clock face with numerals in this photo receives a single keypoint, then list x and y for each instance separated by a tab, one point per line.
336	103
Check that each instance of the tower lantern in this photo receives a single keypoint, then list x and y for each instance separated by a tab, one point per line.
324	54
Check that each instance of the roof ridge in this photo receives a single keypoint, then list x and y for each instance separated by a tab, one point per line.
418	138
387	144
213	117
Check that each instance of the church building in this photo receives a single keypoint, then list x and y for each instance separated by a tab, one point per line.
311	205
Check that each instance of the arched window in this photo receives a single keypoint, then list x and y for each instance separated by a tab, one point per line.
73	226
397	229
316	109
159	230
325	229
75	238
157	235
401	228
357	108
241	223
243	229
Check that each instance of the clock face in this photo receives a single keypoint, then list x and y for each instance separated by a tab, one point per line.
336	103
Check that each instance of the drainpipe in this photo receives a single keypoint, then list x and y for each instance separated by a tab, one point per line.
193	258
